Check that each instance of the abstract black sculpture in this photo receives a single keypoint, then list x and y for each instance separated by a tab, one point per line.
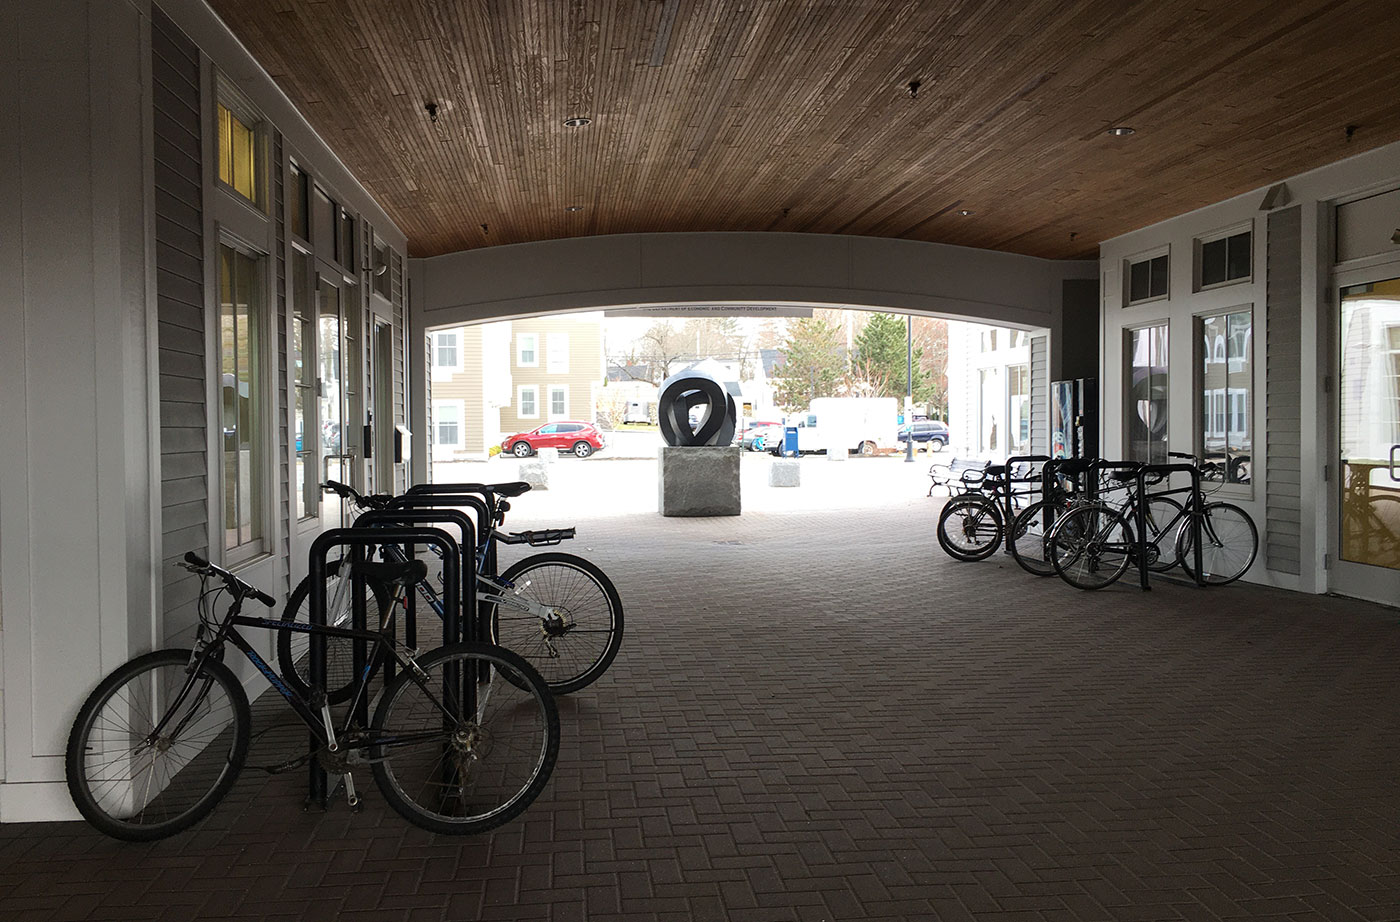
686	390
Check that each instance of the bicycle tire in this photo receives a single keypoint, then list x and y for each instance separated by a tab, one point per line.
506	750
575	653
1089	546
1159	532
1227	529
293	646
977	532
195	764
1027	538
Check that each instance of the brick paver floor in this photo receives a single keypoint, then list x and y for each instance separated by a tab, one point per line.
818	716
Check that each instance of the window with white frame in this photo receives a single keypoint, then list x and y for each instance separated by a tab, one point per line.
447	423
557	361
1225	381
1224	259
242	165
1147	390
558	401
527	350
1146	279
243	410
527	401
447	350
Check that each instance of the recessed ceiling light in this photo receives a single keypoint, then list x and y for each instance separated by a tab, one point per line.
964	212
578	121
573	208
1122	131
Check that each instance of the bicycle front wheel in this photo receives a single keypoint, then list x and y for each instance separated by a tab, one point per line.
155	747
1090	546
293	647
575	641
1027	537
969	527
470	745
1229	542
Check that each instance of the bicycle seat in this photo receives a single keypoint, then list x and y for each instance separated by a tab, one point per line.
512	489
994	470
1072	466
1124	476
396	572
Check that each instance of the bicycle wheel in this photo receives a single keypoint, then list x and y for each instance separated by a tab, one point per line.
969	527
1162	512
293	647
472	751
1229	542
576	642
154	748
1026	539
1090	546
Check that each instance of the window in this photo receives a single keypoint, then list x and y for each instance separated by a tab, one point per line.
242	409
240	149
1147	279
558	401
527	401
308	491
446	352
1018	390
447	423
299	203
527	349
1225	381
345	239
1145	404
1225	259
989	340
558	357
993	401
324	224
1019	338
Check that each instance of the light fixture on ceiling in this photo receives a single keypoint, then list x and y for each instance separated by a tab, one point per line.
965	212
573	208
432	109
1121	131
577	121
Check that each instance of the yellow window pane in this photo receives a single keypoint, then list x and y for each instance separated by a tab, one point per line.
225	145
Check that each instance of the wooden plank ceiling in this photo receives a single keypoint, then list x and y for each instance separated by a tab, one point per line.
796	115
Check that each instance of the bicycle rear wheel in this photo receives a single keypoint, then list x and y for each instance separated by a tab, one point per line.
1162	511
969	527
1090	546
576	642
154	747
293	646
469	751
1229	543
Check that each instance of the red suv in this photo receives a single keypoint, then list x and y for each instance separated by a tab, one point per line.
583	439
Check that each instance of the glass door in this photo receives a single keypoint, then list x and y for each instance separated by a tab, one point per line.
330	392
1368	428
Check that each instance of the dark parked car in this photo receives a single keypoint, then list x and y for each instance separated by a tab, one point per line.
583	439
932	431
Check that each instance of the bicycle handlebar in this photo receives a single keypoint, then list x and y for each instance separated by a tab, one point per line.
235	585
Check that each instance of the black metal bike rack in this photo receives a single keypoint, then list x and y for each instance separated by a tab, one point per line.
434	496
452	619
1007	479
1193	521
356	540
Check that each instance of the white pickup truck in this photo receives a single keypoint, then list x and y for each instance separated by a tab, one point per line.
858	424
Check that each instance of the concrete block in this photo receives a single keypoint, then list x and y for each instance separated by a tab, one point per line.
837	454
785	472
535	472
548	455
698	480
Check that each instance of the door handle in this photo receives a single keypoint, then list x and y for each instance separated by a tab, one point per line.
1393	450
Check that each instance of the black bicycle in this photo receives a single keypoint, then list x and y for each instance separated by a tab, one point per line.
558	611
453	748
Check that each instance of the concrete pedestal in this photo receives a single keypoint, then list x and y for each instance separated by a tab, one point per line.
785	472
535	472
698	480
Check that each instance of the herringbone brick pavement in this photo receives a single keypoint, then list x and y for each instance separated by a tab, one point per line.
818	716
